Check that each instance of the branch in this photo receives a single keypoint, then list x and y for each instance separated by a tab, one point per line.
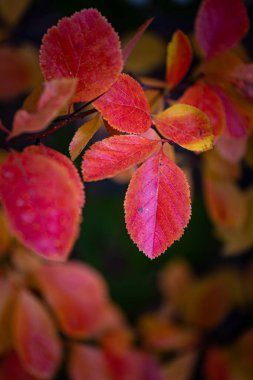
67	119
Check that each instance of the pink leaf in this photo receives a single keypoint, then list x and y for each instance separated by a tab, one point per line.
77	294
232	149
68	165
127	50
243	78
86	47
220	25
41	197
125	106
110	156
236	123
35	338
87	363
157	205
55	96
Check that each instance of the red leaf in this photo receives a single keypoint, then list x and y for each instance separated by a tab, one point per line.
77	294
87	363
41	198
55	96
83	46
127	50
35	338
187	126
68	165
157	205
202	96
220	25
110	156
12	369
125	106
133	365
179	57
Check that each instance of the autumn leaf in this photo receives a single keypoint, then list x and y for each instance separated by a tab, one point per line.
238	240
202	96
11	368
243	78
89	362
157	205
45	221
77	294
220	25
128	48
5	236
110	156
7	301
225	202
86	47
67	164
125	106
179	57
83	136
237	123
187	126
231	148
19	70
35	338
55	96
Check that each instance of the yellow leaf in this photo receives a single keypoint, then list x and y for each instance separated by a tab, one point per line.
83	136
187	126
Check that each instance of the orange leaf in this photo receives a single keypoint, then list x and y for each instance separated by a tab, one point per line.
187	126
157	205
5	236
179	57
35	338
19	70
238	240
86	47
55	96
220	25
7	301
110	156
77	294
225	203
125	106
45	221
202	96
83	136
87	363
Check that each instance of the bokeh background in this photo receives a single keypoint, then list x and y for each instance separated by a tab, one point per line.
104	242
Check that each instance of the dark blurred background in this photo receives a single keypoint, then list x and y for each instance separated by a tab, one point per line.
104	242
